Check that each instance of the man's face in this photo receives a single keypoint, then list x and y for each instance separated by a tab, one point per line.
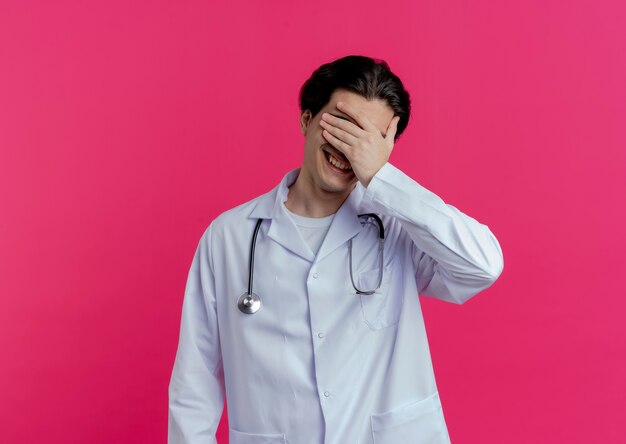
324	165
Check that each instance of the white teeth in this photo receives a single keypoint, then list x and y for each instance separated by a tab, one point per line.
338	164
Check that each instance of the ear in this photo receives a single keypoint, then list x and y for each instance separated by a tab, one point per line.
305	119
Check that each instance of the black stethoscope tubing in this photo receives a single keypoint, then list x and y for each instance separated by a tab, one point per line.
251	262
250	303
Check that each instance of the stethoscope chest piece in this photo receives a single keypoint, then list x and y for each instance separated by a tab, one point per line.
249	303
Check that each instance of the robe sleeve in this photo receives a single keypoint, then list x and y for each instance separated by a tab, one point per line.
454	255
196	389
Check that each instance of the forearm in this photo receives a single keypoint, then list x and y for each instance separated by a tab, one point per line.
446	241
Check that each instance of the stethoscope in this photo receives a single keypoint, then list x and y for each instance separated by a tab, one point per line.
250	303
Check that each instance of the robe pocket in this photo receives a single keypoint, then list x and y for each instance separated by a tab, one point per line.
381	309
420	422
237	437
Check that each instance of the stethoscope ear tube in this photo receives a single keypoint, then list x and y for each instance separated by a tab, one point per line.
379	223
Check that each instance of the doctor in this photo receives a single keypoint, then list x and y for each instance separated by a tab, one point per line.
332	348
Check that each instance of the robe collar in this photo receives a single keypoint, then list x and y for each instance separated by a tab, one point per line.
283	230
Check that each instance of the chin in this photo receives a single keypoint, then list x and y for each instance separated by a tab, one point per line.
336	186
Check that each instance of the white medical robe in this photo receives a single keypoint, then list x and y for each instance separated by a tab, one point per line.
319	363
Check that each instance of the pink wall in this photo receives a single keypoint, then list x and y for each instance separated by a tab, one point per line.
125	127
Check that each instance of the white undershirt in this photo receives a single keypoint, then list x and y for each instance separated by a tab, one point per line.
312	229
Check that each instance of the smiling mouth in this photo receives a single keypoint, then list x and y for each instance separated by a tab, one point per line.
338	162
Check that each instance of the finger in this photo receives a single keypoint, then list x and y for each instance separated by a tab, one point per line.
358	117
392	129
338	130
341	146
344	123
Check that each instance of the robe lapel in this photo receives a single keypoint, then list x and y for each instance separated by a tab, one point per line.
284	231
345	224
282	228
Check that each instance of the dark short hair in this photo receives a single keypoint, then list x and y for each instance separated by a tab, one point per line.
368	77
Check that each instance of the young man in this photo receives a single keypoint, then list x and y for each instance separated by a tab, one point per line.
322	339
